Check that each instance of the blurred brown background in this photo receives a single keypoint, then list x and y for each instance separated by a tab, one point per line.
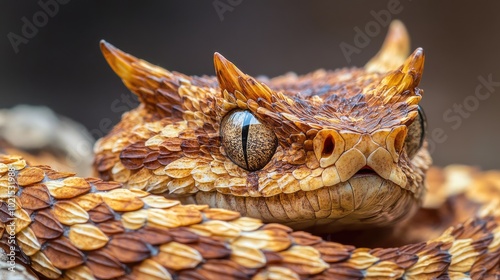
61	65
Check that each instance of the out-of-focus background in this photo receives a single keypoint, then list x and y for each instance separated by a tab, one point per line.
49	54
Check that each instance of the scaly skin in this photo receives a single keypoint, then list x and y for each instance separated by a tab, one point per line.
73	228
342	122
172	145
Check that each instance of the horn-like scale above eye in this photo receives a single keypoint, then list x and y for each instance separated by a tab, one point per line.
416	134
247	142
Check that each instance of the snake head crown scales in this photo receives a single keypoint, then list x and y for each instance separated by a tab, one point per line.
327	150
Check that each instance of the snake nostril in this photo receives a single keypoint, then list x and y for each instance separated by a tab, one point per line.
328	146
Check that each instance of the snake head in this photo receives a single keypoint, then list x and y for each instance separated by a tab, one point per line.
325	150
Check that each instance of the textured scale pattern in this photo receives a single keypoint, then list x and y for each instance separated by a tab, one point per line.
170	204
74	228
171	143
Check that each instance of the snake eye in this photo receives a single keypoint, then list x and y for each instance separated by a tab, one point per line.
247	142
416	134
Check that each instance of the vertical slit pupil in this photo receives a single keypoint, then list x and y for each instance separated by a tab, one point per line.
328	146
244	136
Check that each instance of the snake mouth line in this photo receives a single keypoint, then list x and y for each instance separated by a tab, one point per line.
365	171
362	201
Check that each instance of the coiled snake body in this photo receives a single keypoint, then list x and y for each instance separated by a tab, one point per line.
323	152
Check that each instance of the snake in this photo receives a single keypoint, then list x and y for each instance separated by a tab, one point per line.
235	177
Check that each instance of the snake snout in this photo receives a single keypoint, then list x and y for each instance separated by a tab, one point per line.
347	154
